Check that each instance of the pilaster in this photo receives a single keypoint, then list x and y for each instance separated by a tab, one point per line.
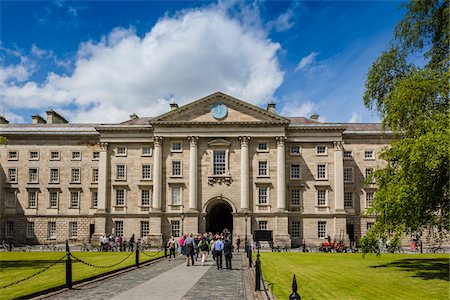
338	177
157	174
281	174
245	174
193	173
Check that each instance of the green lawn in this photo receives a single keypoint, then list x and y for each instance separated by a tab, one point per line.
17	265
350	276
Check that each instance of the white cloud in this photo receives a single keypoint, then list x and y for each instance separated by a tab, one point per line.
306	61
356	118
283	22
195	53
305	109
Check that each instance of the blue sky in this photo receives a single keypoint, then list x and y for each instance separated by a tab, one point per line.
100	61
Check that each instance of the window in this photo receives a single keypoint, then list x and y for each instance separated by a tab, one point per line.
9	229
146	172
262	168
295	229
321	229
51	230
321	150
33	176
369	225
121	151
348	199
295	171
120	197
119	228
121	172
368	172
30	230
12	175
295	150
75	176
145	228
33	155
94	199
348	154
10	199
53	199
176	168
263	195
54	175
13	155
73	229
295	197
176	147
262	225
321	171
54	155
147	151
75	199
175	228
94	175
263	147
219	162
76	155
321	197
369	199
145	197
95	155
348	174
32	199
368	154
176	195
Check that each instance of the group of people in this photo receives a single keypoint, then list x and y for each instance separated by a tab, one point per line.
117	243
201	245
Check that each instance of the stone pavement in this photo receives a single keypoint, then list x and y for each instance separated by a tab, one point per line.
167	280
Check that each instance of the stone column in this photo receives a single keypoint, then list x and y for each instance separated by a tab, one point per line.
157	173
245	174
338	177
281	174
102	191
193	173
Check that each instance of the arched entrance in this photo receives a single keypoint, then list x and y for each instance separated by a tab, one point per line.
219	217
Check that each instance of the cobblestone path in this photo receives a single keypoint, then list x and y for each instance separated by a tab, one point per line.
167	280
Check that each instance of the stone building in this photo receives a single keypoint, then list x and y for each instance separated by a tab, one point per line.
215	163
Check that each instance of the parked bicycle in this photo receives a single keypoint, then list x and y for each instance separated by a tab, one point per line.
436	250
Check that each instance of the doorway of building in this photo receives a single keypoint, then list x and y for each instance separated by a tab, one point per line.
219	217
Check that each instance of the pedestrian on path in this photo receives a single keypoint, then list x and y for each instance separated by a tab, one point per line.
203	246
131	243
228	252
218	249
171	244
189	249
238	243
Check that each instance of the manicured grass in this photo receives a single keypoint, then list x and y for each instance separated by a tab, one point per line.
350	276
17	265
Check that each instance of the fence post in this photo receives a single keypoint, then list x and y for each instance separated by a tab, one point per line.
258	273
294	295
137	256
68	267
249	255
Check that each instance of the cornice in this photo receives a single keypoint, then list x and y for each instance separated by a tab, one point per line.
215	124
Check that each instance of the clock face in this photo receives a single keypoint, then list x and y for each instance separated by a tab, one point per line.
219	110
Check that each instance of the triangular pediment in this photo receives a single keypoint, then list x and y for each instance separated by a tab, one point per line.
201	112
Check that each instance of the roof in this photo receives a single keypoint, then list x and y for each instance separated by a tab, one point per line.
138	121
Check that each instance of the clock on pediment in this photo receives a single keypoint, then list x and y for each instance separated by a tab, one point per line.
219	111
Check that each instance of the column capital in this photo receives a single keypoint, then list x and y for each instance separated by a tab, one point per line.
103	146
244	140
280	140
193	141
338	145
157	140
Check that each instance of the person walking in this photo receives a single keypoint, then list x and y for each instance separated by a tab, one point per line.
189	249
171	244
203	246
228	253
218	249
131	243
182	245
238	243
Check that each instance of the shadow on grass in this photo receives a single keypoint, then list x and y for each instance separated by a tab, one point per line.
425	268
33	264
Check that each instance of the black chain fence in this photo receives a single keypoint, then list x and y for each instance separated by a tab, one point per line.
99	266
35	274
148	255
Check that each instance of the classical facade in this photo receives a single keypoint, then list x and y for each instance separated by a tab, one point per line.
215	163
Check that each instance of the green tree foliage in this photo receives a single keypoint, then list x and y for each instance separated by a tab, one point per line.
408	85
3	140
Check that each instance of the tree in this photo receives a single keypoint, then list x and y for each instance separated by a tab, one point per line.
408	85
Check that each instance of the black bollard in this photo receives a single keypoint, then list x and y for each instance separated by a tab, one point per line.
294	295
249	255
68	267
258	273
165	250
137	257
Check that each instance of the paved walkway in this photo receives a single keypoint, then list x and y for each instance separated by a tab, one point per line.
167	280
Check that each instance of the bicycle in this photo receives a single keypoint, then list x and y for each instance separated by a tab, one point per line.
436	250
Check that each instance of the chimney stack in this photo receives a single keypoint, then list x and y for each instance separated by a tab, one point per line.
3	120
54	118
37	119
271	107
173	105
314	117
134	116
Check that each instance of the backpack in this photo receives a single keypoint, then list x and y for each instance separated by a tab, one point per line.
204	246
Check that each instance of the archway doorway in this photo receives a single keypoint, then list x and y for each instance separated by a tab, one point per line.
219	217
